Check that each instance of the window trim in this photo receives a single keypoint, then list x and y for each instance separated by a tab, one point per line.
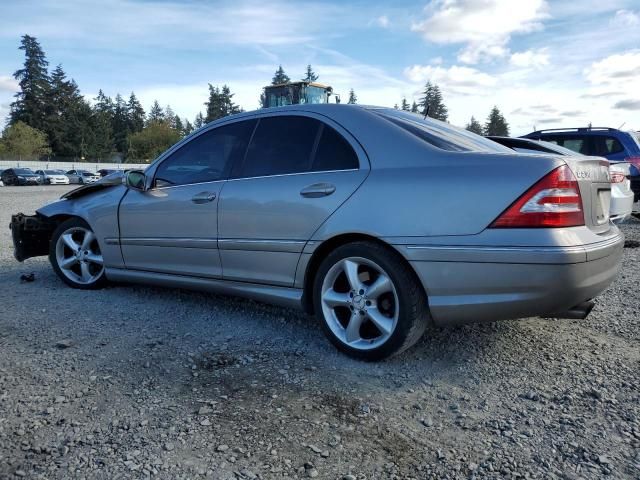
187	141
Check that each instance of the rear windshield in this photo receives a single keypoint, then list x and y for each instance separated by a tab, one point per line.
636	137
440	134
52	172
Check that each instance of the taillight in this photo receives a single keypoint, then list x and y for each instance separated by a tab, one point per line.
635	161
554	201
618	177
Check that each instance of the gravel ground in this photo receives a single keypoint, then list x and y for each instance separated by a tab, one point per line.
136	382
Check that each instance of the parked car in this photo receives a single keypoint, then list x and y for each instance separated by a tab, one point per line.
346	212
622	197
20	176
613	144
103	172
82	176
53	177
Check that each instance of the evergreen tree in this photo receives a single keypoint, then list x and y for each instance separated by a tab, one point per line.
496	124
220	103
156	114
99	142
24	142
353	99
169	116
432	103
310	76
135	114
188	127
263	99
280	77
177	124
474	126
199	121
396	106
120	124
33	79
414	107
405	105
67	114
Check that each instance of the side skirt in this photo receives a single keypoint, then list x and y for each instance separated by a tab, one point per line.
282	296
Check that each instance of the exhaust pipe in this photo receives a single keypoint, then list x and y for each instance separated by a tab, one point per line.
577	312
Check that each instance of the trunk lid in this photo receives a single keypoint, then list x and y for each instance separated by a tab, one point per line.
594	181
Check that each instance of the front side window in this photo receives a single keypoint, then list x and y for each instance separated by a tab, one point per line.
206	158
281	145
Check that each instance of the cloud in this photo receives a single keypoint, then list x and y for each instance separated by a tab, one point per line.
8	84
177	24
484	27
455	79
530	58
628	104
600	94
618	69
382	21
626	18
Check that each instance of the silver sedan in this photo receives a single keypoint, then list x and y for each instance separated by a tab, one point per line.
377	221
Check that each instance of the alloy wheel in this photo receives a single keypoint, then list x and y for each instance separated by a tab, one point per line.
359	303
78	256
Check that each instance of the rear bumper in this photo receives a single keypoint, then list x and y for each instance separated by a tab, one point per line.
486	283
621	205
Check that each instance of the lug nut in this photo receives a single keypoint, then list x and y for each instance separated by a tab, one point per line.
361	292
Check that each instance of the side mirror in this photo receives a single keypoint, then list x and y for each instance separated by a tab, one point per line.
135	179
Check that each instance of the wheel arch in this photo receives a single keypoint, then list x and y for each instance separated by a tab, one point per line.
329	245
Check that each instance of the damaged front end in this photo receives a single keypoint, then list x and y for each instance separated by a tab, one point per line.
31	235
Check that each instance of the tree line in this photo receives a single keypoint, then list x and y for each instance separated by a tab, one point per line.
51	118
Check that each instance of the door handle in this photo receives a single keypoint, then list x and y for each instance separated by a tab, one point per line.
318	190
203	197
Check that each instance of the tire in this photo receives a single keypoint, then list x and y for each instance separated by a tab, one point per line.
388	307
75	242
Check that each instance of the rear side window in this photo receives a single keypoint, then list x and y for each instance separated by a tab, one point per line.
281	145
606	145
206	158
576	143
333	152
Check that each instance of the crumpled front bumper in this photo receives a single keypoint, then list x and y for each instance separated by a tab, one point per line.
31	235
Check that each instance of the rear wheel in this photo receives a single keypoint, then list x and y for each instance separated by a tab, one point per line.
75	255
370	302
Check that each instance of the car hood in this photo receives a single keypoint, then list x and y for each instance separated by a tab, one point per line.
105	182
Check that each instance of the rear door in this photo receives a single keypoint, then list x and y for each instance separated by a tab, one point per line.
297	171
172	227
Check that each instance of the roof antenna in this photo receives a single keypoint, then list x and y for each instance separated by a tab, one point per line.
426	112
620	127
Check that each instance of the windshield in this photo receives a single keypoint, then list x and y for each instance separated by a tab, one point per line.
52	172
441	134
23	171
315	95
84	173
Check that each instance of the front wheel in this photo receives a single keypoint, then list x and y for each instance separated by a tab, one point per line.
369	300
75	255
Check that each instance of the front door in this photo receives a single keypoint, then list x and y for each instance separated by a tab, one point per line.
173	227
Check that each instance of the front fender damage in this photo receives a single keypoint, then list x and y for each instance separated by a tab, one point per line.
31	235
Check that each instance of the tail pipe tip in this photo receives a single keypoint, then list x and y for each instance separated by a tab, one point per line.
577	312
